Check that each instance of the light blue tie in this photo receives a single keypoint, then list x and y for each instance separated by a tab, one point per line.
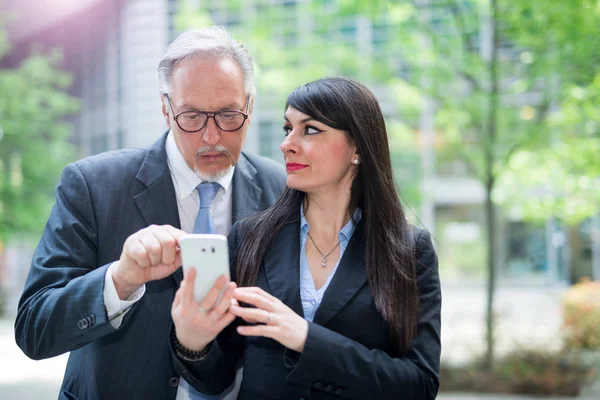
203	224
207	192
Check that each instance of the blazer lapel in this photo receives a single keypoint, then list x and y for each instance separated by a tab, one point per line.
157	203
348	279
246	193
282	267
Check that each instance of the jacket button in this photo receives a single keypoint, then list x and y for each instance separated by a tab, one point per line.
174	381
92	319
338	392
328	388
82	324
318	385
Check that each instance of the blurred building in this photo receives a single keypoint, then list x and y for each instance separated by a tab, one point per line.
112	47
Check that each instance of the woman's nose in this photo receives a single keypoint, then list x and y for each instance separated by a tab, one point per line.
288	144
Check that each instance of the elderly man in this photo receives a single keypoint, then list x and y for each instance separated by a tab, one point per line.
105	272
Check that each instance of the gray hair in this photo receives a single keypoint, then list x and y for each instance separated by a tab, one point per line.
205	43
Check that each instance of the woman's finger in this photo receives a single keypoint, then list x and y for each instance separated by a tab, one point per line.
187	286
259	330
210	300
177	300
223	305
260	292
253	298
253	314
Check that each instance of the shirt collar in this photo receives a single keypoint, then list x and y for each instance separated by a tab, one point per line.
346	231
186	178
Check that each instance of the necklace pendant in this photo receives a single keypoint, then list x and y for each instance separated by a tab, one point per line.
324	261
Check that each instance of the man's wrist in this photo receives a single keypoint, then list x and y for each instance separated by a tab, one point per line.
124	289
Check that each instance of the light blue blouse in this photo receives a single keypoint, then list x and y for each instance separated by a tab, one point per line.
310	296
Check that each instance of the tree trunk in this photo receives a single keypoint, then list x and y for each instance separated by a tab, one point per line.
489	187
490	215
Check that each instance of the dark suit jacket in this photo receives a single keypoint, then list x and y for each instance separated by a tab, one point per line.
100	201
347	351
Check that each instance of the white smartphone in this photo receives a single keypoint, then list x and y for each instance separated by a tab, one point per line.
209	255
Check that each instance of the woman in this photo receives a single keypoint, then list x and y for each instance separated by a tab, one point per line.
338	296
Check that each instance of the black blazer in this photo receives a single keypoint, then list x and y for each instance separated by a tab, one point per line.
346	354
100	201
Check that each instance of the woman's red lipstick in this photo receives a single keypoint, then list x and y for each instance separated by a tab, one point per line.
294	166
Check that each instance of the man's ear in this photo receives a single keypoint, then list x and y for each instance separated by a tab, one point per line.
250	108
165	110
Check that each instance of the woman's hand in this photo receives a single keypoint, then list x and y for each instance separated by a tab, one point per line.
276	320
196	325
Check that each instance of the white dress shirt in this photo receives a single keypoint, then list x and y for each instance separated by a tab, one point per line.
185	181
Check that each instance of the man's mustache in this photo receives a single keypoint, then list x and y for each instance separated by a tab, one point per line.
212	149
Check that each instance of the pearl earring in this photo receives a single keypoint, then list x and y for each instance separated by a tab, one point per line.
355	161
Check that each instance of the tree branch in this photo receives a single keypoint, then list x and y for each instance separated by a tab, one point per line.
466	42
433	36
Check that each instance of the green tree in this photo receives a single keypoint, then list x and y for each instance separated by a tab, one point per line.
34	139
563	171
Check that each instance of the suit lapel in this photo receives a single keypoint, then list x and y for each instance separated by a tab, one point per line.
246	193
157	203
348	279
282	267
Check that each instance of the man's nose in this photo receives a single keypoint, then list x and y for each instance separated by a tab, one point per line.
211	133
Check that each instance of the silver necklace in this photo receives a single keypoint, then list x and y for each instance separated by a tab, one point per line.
324	259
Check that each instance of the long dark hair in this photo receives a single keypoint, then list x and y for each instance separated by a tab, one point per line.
389	254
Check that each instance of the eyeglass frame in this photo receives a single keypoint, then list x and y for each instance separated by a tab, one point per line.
209	115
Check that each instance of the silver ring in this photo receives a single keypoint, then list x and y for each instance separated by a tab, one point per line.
270	317
202	310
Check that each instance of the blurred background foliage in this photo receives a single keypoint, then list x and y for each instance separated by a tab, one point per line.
34	139
581	316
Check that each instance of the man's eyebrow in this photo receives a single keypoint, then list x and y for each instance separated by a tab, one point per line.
230	106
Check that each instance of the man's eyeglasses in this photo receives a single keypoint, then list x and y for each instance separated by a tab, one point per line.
194	121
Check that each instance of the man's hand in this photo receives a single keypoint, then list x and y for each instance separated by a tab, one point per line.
149	254
196	325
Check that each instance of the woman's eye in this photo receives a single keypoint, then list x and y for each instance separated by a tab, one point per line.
287	130
310	130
